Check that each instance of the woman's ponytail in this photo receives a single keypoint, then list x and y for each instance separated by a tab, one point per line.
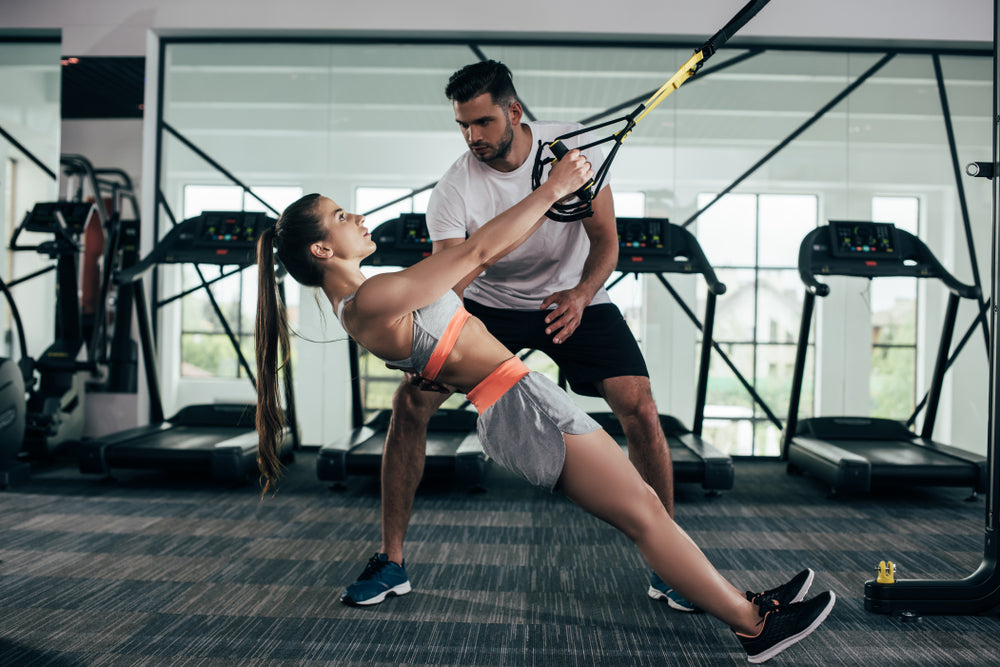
289	239
271	334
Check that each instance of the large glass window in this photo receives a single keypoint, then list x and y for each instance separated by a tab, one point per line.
752	241
369	122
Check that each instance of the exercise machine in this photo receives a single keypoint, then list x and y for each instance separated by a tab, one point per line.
13	404
655	246
89	240
55	404
859	454
979	592
453	448
106	310
217	439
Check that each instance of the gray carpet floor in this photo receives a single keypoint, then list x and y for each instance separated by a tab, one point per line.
154	569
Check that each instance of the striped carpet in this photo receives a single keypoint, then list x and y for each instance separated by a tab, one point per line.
159	570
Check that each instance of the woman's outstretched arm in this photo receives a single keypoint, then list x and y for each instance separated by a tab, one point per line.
399	293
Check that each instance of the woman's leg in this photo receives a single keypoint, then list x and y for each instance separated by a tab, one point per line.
598	477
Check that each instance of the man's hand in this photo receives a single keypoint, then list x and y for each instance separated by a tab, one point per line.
563	320
423	383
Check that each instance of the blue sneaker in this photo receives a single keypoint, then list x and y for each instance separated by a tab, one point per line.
381	579
658	590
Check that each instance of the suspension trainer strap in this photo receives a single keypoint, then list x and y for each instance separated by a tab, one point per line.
581	207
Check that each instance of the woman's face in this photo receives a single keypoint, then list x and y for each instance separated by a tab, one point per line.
345	232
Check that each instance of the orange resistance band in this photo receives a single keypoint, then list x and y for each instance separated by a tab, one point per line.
445	344
496	384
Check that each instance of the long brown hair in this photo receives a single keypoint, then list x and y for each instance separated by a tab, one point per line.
289	241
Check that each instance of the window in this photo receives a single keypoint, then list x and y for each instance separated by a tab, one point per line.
893	303
336	128
206	350
752	242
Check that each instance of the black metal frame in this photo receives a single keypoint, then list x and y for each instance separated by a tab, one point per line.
980	591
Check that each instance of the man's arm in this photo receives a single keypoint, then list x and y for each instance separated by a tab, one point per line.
602	230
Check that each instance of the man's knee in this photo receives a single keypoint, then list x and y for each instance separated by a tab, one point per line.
413	407
635	408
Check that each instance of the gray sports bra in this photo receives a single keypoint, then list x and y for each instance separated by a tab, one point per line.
436	327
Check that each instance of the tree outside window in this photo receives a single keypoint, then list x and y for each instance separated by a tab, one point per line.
894	322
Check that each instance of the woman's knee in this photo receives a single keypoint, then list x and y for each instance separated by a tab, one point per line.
644	515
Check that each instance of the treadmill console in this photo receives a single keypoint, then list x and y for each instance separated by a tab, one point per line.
863	240
644	245
230	228
401	242
44	217
412	232
643	236
216	237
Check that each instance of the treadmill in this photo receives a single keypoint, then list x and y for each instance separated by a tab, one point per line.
217	439
453	448
656	246
860	454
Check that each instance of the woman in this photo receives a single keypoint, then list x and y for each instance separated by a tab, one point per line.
414	320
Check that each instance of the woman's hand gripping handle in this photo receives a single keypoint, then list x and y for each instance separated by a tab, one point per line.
571	173
585	189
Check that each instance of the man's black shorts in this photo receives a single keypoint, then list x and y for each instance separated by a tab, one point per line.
601	347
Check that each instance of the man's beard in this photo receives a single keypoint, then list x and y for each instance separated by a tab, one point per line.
502	148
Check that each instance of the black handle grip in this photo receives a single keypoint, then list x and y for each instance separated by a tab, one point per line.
742	17
559	149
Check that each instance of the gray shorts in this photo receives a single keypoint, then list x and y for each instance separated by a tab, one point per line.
523	430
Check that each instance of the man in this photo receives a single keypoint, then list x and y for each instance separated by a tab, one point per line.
547	294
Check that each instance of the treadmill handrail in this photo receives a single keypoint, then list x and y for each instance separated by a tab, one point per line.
690	248
915	259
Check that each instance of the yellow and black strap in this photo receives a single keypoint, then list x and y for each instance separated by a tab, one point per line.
581	207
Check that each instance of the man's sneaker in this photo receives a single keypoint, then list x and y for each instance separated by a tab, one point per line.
784	625
381	579
658	590
786	594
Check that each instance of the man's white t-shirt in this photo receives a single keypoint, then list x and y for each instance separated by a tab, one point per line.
472	193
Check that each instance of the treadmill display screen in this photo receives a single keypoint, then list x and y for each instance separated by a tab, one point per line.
228	228
862	239
642	235
413	232
43	216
